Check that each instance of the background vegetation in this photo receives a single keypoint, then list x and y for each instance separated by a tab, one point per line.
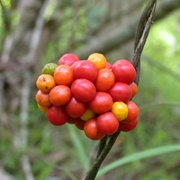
35	32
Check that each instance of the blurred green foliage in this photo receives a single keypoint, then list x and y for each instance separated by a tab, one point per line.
55	150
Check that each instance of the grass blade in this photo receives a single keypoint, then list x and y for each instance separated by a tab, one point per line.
80	149
138	156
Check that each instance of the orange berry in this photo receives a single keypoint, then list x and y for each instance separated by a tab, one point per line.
60	95
42	99
91	130
134	89
104	80
98	59
45	82
63	75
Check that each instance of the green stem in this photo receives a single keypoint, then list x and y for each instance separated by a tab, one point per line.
91	174
102	144
140	40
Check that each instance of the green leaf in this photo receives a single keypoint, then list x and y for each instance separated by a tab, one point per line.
138	156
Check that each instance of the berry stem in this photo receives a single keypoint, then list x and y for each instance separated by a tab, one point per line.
141	36
102	144
91	174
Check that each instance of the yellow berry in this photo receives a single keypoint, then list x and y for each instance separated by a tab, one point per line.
98	59
120	110
88	114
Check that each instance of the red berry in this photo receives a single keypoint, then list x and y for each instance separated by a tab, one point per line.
120	92
83	90
101	103
107	123
68	59
85	69
56	115
124	71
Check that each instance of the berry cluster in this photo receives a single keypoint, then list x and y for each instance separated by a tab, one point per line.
92	94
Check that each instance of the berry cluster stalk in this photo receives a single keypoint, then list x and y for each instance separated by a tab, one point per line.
105	148
142	32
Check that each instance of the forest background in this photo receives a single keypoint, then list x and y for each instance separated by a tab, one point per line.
36	32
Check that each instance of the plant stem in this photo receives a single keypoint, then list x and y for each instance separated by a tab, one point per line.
102	144
91	174
142	32
140	40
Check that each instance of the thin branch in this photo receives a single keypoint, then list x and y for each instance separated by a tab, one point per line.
142	34
143	31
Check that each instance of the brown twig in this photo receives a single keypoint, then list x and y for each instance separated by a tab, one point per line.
142	32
